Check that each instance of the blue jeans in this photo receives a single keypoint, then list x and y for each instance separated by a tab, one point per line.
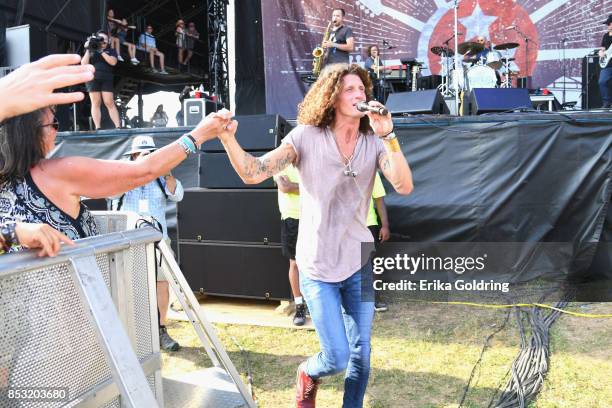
604	84
344	324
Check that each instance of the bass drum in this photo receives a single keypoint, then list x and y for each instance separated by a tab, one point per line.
481	76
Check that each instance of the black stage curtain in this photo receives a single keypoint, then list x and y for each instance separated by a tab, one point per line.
250	77
494	178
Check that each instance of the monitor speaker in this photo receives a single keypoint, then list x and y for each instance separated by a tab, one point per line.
429	101
484	100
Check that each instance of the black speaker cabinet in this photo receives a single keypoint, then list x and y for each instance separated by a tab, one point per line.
251	271
216	171
429	101
229	215
591	97
483	100
255	132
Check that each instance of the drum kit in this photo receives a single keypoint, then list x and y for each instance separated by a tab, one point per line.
474	72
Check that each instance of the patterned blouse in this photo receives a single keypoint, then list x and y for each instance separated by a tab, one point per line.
22	201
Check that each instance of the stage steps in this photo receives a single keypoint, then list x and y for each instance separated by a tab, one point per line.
125	89
211	387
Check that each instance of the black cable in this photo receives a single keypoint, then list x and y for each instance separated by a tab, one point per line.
531	364
477	365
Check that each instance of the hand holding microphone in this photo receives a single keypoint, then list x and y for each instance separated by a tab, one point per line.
364	107
379	117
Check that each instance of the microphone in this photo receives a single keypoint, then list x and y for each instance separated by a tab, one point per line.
364	107
510	27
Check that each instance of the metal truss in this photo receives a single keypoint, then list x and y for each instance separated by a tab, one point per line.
217	49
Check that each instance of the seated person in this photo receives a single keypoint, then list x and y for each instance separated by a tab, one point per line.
147	42
121	39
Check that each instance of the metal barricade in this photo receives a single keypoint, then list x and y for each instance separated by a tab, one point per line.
60	330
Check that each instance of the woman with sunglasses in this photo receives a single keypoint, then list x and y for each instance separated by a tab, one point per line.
34	189
101	88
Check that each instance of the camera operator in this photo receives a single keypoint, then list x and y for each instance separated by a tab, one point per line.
103	58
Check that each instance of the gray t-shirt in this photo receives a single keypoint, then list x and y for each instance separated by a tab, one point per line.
335	55
333	206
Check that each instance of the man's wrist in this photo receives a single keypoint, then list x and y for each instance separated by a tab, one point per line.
388	136
391	143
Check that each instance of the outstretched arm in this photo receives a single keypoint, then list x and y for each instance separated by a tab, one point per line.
251	169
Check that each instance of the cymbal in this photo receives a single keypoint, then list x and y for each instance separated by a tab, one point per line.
441	51
470	47
506	46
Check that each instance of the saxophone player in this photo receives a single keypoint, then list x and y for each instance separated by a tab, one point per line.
340	43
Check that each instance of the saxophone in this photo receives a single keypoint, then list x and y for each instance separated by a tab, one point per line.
319	53
377	65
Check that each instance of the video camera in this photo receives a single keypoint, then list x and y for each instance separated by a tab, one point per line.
94	43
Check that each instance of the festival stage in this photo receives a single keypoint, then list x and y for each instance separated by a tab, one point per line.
512	177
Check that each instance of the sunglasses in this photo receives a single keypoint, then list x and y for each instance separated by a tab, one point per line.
55	124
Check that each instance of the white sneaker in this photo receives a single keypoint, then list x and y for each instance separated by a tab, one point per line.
163	72
120	58
134	61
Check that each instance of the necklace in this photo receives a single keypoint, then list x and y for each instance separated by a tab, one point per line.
347	162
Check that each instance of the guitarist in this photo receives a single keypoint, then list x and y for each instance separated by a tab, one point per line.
340	42
605	76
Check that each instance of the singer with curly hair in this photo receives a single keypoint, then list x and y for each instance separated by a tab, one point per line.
337	149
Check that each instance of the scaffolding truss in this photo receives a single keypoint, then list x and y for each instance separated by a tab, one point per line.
217	50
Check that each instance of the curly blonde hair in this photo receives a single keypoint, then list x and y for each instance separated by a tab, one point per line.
317	108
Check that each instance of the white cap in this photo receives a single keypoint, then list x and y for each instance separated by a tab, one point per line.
142	144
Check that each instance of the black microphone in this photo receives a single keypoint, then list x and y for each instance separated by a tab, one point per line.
364	107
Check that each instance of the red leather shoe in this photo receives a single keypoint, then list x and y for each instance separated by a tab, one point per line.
306	389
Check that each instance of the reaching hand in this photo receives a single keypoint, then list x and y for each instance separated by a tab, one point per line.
212	125
41	236
31	86
380	124
229	131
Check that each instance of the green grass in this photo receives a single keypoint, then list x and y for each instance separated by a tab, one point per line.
422	356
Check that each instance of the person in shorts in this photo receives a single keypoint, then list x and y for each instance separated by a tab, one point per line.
289	205
104	59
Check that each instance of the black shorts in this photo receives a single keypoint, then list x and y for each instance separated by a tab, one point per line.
100	85
375	230
289	234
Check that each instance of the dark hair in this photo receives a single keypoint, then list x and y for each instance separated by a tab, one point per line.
370	49
21	145
341	10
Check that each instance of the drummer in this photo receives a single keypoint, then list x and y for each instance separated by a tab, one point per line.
480	56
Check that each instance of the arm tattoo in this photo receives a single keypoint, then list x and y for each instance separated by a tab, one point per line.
384	163
256	166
